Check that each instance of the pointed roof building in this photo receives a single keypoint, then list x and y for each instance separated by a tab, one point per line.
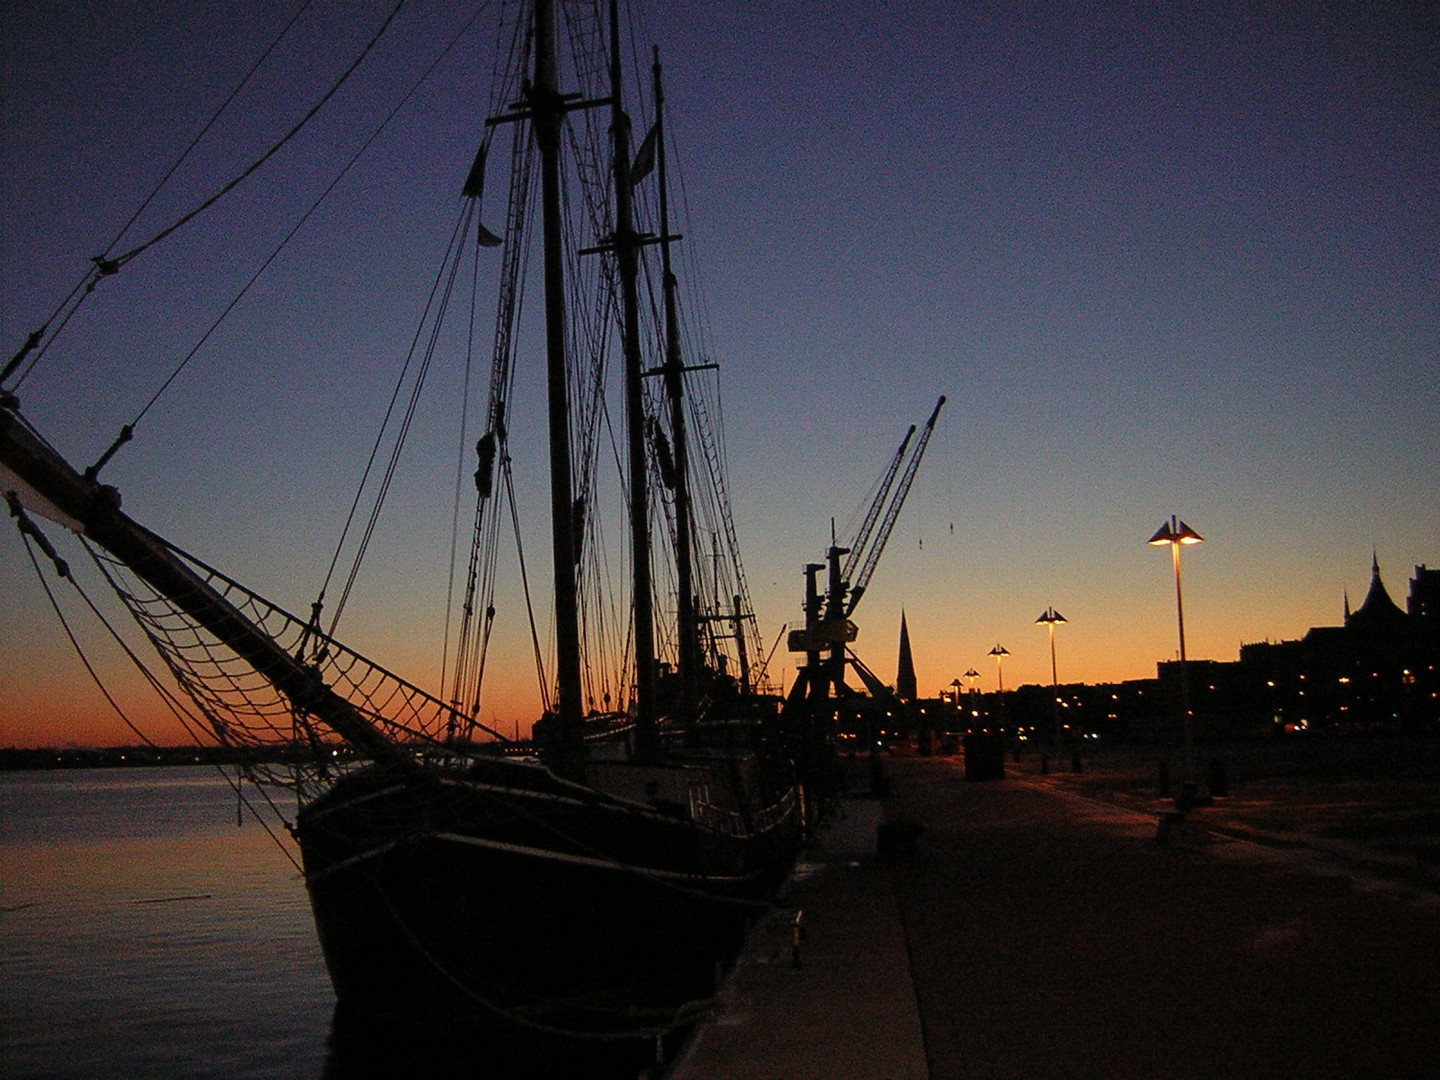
905	688
1378	614
1381	669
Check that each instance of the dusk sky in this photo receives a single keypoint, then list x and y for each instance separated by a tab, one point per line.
1161	260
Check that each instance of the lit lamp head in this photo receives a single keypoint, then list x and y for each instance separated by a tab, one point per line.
1052	617
1175	531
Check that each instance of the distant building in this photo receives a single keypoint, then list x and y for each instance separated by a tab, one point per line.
1378	670
1424	602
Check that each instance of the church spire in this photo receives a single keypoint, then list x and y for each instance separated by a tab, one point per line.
905	688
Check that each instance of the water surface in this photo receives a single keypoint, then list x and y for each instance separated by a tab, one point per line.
144	934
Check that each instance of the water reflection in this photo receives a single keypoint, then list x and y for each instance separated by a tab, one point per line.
144	936
360	1048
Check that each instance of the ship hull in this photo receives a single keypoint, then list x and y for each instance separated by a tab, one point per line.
508	899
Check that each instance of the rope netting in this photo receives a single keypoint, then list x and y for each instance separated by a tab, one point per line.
240	700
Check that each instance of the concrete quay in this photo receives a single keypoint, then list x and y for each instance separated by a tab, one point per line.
841	1003
1041	932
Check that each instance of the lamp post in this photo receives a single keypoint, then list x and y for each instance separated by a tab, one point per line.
1049	618
999	652
1177	534
972	678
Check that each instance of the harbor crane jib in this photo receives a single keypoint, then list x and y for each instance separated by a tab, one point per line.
828	630
864	553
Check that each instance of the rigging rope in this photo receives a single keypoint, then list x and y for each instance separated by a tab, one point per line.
121	260
299	224
525	582
443	286
30	532
103	260
87	283
102	265
105	266
478	603
460	459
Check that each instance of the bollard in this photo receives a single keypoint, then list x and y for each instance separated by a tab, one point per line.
797	934
1075	762
1044	764
1219	779
984	757
879	782
1185	801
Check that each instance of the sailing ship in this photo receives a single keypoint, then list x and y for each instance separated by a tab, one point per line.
589	883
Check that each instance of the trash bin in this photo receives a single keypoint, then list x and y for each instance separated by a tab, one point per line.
984	757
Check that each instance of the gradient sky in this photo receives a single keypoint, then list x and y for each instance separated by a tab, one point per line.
1160	260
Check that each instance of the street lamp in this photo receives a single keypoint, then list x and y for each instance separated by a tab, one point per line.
999	652
1049	618
972	677
1177	534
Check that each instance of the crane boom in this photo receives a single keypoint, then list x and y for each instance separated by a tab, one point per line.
857	546
892	512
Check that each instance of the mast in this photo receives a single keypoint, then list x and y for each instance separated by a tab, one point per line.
626	244
689	658
547	109
741	652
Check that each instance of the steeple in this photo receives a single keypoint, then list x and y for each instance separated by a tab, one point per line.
905	688
1378	612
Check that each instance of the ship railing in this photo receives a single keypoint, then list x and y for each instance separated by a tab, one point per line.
732	823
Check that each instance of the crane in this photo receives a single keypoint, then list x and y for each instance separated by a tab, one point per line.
827	611
868	557
810	707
